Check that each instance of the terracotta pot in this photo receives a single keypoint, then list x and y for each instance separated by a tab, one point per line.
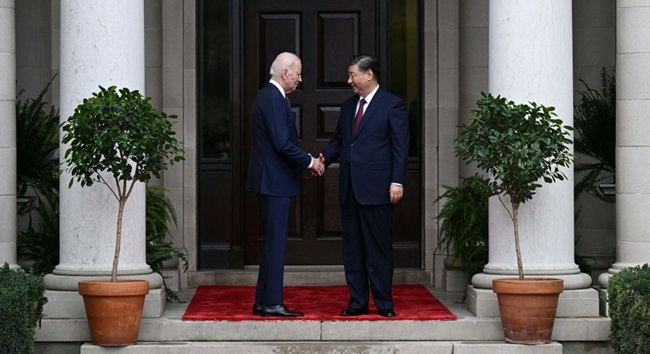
114	310
528	308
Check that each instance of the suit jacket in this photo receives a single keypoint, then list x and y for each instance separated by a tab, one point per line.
376	155
276	160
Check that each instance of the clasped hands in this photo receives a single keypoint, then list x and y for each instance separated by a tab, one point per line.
396	191
318	165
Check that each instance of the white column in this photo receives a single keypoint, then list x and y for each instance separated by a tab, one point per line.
530	59
632	136
8	215
102	43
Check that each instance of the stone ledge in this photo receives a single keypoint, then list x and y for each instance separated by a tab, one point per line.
463	329
329	347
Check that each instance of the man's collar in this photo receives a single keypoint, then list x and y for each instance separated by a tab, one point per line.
369	97
276	84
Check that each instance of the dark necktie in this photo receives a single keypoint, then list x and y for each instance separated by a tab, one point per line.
357	119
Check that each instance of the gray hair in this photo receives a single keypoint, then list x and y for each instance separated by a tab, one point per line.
283	61
366	62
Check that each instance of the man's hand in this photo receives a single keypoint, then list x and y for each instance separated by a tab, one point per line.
317	167
396	193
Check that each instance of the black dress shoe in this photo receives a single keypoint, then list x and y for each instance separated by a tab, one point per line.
355	312
389	313
277	311
257	310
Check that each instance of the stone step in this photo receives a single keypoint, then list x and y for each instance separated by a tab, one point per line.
468	334
327	348
297	275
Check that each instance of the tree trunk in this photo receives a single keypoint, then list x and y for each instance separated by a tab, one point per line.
118	239
515	222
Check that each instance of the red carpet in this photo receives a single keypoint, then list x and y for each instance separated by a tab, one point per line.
318	303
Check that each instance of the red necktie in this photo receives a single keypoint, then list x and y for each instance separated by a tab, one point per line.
357	119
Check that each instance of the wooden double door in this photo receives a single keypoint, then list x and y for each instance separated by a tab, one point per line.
324	34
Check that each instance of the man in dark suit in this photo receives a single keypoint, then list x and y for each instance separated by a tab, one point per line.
372	143
276	165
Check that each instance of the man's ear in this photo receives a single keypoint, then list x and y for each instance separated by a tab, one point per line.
370	73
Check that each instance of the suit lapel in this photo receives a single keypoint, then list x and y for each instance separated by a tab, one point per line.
348	111
292	118
367	115
276	95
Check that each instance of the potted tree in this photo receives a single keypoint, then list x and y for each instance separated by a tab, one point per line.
519	146
117	138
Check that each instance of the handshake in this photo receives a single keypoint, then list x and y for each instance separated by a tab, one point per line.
318	165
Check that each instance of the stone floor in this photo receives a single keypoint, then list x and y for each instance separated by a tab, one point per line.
468	334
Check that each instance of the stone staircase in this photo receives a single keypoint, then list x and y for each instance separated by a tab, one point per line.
469	334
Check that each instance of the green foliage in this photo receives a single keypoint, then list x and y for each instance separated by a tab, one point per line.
122	135
628	296
160	214
21	296
157	253
464	226
518	146
595	124
119	132
41	244
37	143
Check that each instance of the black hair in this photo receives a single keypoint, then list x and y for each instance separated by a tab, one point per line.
366	62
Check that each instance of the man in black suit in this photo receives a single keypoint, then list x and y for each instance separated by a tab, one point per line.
372	143
274	173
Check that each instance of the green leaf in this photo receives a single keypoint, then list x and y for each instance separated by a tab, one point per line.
505	137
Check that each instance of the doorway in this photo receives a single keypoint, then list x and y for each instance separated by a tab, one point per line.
237	43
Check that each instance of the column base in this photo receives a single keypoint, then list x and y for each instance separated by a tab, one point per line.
70	282
64	301
571	281
603	279
572	303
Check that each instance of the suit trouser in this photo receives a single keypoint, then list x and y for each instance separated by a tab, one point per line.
274	213
368	252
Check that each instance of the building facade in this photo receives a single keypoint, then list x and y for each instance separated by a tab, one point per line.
203	61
